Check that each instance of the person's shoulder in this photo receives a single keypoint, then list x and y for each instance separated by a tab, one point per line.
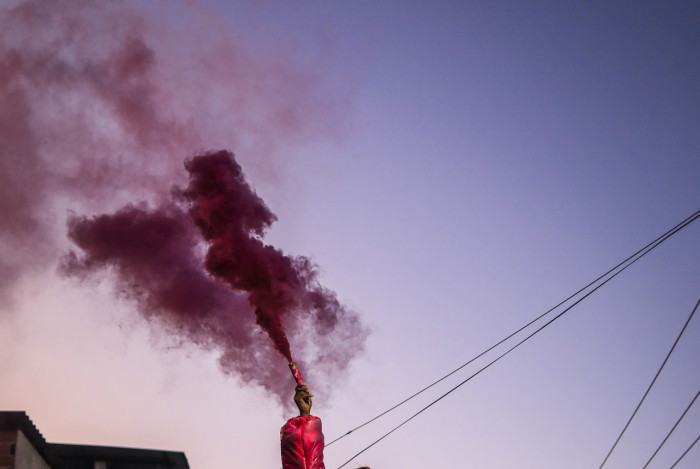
299	421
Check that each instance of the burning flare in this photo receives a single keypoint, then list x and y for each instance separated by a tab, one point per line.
297	374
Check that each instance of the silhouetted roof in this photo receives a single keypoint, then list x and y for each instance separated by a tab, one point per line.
19	420
64	456
84	457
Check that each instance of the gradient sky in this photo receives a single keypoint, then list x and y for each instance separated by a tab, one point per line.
454	168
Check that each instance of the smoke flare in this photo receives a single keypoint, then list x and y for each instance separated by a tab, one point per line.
232	219
99	101
154	256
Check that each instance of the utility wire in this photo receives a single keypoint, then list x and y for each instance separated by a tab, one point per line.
672	429
651	246
650	385
678	226
685	452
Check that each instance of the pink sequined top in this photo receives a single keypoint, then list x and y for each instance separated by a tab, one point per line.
302	443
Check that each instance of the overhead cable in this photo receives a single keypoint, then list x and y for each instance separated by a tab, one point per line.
641	254
685	452
672	429
650	385
678	226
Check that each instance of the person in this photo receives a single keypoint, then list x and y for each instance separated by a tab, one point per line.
301	438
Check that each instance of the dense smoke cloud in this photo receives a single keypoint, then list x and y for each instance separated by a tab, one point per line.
154	254
99	105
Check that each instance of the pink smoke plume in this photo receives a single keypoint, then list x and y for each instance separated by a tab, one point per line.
99	102
232	218
153	253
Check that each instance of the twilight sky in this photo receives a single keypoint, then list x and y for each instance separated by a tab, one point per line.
454	169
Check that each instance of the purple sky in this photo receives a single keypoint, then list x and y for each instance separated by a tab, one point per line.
454	169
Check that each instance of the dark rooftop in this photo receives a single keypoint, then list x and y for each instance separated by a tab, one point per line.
70	456
19	420
84	457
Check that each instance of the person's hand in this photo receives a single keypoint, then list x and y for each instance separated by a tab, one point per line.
302	398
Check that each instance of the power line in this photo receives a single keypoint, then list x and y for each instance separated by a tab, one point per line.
650	385
640	253
685	452
672	429
678	226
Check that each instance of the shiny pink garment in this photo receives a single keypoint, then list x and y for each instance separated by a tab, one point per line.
302	443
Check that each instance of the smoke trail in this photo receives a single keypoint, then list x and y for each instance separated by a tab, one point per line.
232	218
154	256
98	104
